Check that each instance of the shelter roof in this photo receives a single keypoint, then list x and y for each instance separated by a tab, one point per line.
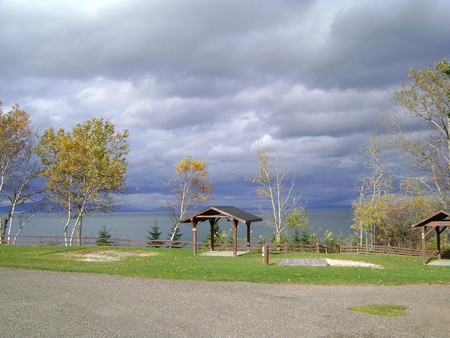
436	217
223	211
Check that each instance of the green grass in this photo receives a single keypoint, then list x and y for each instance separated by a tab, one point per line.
386	310
182	264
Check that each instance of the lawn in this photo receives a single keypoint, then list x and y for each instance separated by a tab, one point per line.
182	264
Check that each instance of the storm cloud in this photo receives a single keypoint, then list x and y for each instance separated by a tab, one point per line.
210	79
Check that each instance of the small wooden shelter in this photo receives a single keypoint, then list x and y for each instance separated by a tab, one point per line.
435	222
213	214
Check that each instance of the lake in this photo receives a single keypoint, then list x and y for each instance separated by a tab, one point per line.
136	225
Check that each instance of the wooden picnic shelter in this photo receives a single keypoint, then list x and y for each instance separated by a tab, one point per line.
436	222
212	214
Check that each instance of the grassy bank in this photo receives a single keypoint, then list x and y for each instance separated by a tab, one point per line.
181	264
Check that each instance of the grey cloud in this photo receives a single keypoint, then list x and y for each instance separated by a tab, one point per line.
374	43
210	78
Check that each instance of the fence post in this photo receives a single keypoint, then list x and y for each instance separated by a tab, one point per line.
265	253
129	241
317	247
85	240
41	240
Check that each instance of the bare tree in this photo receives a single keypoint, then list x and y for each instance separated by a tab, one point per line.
373	190
276	187
427	101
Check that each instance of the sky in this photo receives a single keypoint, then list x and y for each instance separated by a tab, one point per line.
210	79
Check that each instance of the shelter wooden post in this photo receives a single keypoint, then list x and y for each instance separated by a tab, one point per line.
438	242
194	235
212	233
234	223
248	235
424	245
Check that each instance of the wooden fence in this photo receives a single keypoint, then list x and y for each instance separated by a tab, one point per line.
242	246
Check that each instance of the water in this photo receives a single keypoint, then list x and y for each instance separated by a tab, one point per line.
136	225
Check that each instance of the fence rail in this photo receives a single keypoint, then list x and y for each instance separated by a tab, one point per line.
379	249
286	247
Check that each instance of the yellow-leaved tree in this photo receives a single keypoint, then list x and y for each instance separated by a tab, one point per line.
17	170
85	170
190	187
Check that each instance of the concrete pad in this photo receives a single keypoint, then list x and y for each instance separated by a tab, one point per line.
223	253
303	262
440	262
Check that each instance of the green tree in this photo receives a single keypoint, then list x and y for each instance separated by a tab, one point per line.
297	236
84	170
175	237
276	187
305	238
104	236
190	187
154	236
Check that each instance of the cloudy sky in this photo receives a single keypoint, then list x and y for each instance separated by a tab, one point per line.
209	79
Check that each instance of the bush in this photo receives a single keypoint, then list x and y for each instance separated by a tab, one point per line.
104	237
153	236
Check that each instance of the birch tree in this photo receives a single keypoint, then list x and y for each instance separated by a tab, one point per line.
373	189
84	169
425	100
17	169
276	187
190	188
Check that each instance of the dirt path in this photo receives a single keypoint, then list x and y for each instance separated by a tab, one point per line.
49	304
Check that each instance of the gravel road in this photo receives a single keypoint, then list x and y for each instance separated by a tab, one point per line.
51	304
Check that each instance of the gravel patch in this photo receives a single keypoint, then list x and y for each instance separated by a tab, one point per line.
338	262
326	262
108	255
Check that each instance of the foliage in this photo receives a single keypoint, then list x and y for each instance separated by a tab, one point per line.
297	237
329	238
279	202
17	170
181	264
84	169
104	236
305	238
396	230
390	219
220	236
280	238
190	186
154	235
262	239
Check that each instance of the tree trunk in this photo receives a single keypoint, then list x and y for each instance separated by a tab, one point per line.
80	225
